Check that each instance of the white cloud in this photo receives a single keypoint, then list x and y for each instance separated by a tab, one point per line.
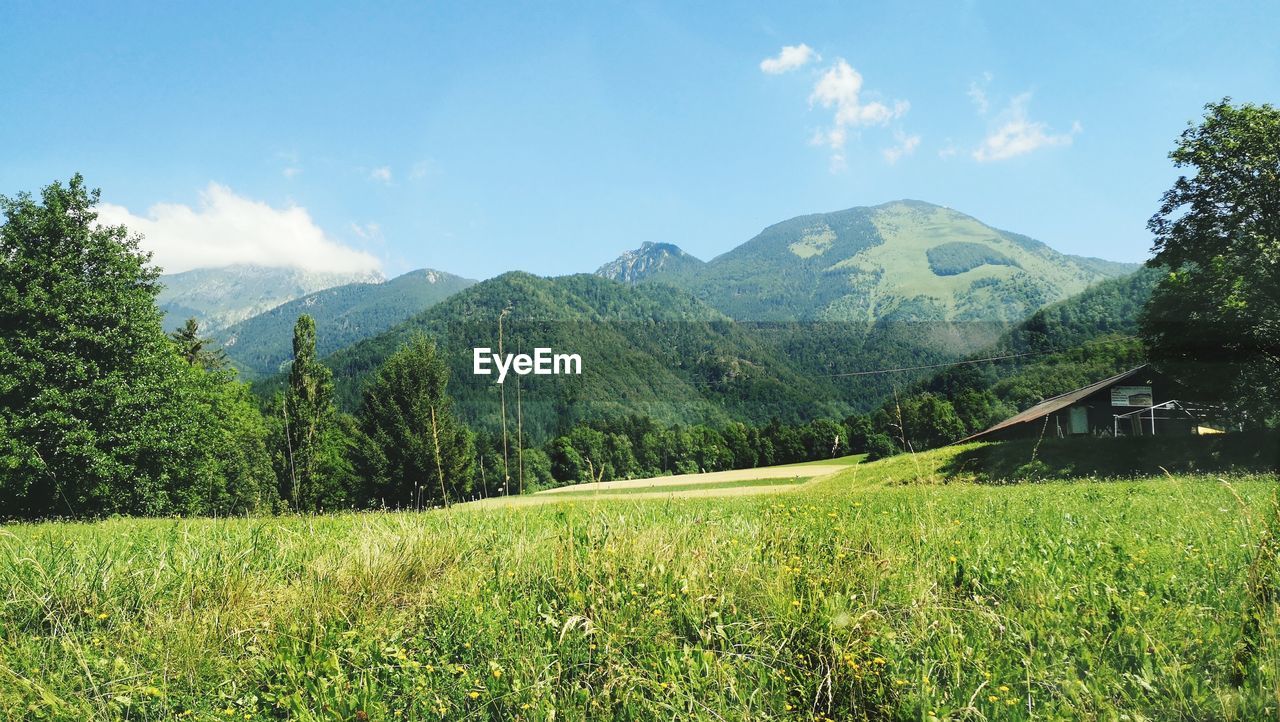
291	172
1018	135
370	231
791	57
906	146
948	151
228	229
382	174
840	89
978	94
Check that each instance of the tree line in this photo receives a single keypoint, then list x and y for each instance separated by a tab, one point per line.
103	413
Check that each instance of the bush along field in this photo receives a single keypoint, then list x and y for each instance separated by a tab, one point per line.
874	593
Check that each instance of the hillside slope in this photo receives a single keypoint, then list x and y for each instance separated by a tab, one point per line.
905	260
219	297
649	261
1061	347
648	350
263	344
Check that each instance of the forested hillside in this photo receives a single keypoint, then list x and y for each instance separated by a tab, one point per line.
647	350
259	345
1061	347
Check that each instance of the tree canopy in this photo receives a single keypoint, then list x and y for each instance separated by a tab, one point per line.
414	452
1213	318
99	413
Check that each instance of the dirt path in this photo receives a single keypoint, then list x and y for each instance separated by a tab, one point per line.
791	477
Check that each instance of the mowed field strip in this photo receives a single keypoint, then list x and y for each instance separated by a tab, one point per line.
736	482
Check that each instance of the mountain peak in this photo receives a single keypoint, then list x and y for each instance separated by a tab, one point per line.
649	260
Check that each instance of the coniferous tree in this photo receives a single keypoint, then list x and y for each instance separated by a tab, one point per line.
197	350
414	452
317	444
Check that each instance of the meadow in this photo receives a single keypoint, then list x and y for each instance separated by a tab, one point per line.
875	592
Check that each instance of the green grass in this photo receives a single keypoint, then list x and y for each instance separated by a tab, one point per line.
836	461
872	594
673	488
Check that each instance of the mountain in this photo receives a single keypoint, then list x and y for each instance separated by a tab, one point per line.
905	260
650	350
263	344
219	297
650	260
1064	346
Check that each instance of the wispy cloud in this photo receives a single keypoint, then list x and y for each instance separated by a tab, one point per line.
291	172
382	174
370	231
420	170
791	57
978	94
1016	134
227	229
906	145
840	89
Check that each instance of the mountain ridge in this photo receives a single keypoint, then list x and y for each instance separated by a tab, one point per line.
220	296
650	260
346	314
871	262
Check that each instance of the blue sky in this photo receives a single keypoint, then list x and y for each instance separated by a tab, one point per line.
551	137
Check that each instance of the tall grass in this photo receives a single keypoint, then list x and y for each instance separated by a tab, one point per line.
858	597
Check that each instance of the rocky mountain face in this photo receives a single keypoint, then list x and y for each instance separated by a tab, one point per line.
650	260
219	297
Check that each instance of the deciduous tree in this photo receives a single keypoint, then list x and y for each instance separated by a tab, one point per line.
1214	319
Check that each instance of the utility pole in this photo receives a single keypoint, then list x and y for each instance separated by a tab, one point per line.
502	390
519	438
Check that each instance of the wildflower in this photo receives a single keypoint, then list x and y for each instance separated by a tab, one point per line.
795	602
992	698
473	694
1004	688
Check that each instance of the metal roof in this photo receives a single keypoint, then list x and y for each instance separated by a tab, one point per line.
1056	403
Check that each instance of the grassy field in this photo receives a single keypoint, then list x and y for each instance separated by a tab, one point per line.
873	593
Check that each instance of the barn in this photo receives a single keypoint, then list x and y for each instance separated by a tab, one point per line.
1138	402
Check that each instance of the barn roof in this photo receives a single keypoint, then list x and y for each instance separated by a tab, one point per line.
1056	403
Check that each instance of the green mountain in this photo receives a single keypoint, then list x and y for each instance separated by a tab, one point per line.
262	345
905	260
1061	347
651	350
219	297
650	260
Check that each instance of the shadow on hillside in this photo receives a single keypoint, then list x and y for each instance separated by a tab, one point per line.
1016	461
